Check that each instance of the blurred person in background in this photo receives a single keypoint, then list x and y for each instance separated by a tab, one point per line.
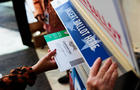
45	14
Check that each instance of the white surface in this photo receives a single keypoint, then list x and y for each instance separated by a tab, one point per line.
0	75
10	41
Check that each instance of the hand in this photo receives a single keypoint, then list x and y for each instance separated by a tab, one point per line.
46	63
40	18
103	78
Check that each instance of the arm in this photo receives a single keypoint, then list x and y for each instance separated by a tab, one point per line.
103	78
20	77
39	12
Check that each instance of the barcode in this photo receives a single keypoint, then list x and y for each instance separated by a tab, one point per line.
76	61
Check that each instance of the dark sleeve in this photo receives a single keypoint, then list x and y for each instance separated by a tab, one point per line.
138	86
18	79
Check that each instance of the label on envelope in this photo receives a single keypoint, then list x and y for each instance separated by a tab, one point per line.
67	54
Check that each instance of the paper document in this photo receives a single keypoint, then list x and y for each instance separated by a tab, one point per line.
67	54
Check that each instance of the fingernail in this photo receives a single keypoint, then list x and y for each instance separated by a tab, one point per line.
49	50
99	58
109	59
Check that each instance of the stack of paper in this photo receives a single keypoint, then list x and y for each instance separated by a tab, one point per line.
67	55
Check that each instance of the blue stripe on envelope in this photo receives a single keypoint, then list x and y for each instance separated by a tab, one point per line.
87	41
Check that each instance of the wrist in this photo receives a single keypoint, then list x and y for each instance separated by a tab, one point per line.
35	69
39	67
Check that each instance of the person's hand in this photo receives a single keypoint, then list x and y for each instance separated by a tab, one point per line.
46	63
40	18
103	78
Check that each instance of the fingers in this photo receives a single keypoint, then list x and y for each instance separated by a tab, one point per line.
110	71
114	78
104	68
95	67
49	50
51	54
40	18
103	78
